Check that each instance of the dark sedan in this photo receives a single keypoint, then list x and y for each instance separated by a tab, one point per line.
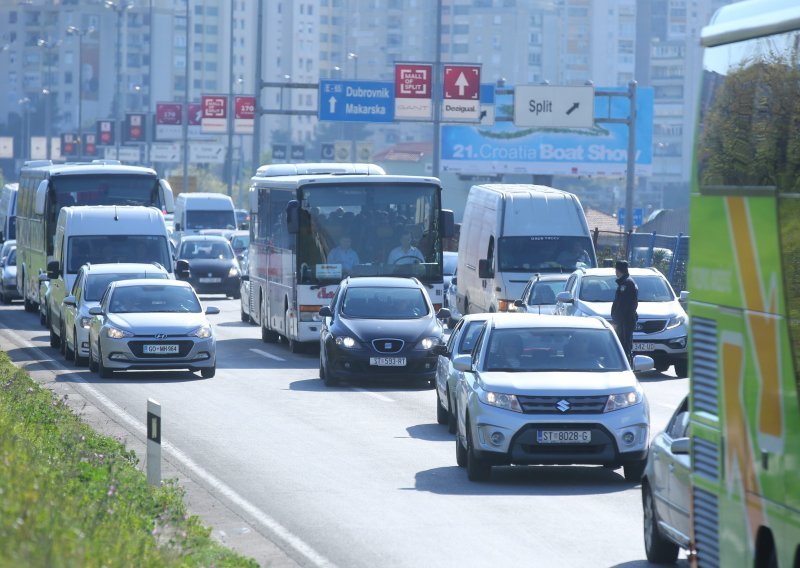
379	328
213	269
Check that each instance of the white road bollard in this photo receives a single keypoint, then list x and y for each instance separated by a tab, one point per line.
153	442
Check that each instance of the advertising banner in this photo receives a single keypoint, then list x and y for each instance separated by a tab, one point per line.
244	114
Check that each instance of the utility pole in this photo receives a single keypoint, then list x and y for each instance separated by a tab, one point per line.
231	109
121	7
185	123
437	93
258	86
72	30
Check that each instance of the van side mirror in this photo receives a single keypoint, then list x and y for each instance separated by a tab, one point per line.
485	269
684	296
53	269
564	297
182	269
447	223
293	217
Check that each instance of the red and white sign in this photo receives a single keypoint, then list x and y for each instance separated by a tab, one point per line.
462	88
169	121
215	113
244	113
412	91
90	144
195	114
105	130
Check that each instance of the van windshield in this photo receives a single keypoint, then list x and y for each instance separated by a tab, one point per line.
101	249
210	219
544	254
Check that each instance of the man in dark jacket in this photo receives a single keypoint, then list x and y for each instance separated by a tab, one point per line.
623	310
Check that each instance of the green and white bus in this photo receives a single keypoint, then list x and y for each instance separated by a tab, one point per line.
44	188
744	278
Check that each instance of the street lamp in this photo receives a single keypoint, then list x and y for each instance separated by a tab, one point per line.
354	57
47	46
288	78
24	102
121	7
73	30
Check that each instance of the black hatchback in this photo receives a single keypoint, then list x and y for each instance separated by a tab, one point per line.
213	269
379	328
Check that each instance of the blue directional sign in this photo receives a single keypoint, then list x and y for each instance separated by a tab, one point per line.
638	216
356	101
487	93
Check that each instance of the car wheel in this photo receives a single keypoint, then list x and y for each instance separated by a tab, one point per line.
69	354
29	306
4	299
208	373
79	361
441	412
659	550
92	362
324	373
461	453
661	365
451	418
478	469
682	368
237	295
633	471
54	339
102	370
62	341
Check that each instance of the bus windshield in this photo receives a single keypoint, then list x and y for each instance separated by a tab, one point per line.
369	230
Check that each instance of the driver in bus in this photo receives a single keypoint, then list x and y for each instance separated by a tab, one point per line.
344	255
406	253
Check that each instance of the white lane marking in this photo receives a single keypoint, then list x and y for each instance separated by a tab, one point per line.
261	517
267	355
375	394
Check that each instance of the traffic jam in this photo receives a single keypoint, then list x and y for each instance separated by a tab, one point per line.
539	367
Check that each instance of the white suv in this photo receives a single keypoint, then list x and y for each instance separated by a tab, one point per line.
662	326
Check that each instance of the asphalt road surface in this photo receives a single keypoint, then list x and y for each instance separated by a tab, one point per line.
294	473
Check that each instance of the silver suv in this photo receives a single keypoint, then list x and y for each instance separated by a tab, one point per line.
662	327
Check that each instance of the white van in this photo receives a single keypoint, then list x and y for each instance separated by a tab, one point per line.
511	232
8	212
197	211
101	234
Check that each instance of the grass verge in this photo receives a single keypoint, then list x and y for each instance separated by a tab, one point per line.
72	497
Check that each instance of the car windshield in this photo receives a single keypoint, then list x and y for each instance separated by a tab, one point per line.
554	349
101	249
543	292
96	284
191	250
602	289
210	219
154	299
384	303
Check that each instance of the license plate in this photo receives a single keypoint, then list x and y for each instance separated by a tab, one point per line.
160	349
388	361
564	436
209	280
644	346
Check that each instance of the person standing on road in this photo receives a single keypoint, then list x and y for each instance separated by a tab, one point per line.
623	310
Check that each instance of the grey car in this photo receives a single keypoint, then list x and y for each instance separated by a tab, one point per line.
147	325
539	295
666	490
8	287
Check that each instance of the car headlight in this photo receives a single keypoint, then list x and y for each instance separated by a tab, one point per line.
85	321
346	341
233	272
203	332
115	333
500	400
676	321
429	343
623	400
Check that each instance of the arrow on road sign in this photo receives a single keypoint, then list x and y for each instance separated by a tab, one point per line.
574	107
332	102
462	84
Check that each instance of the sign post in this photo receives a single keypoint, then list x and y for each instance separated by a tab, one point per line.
153	442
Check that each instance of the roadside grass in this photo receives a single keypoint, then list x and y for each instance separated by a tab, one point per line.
72	497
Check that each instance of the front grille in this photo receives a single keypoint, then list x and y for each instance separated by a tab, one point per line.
388	345
137	347
569	404
704	365
706	458
706	527
650	326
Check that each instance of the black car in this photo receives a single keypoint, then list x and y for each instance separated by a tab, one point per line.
380	328
213	269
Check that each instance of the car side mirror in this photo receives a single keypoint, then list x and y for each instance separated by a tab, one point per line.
212	310
96	311
643	363
462	362
182	269
564	297
684	296
443	314
53	269
325	312
69	301
485	268
680	446
453	281
177	225
244	277
439	350
519	303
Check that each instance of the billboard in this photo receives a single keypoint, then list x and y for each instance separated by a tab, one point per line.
505	148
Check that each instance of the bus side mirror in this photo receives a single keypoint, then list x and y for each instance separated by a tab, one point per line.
41	197
447	224
485	269
166	195
293	216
